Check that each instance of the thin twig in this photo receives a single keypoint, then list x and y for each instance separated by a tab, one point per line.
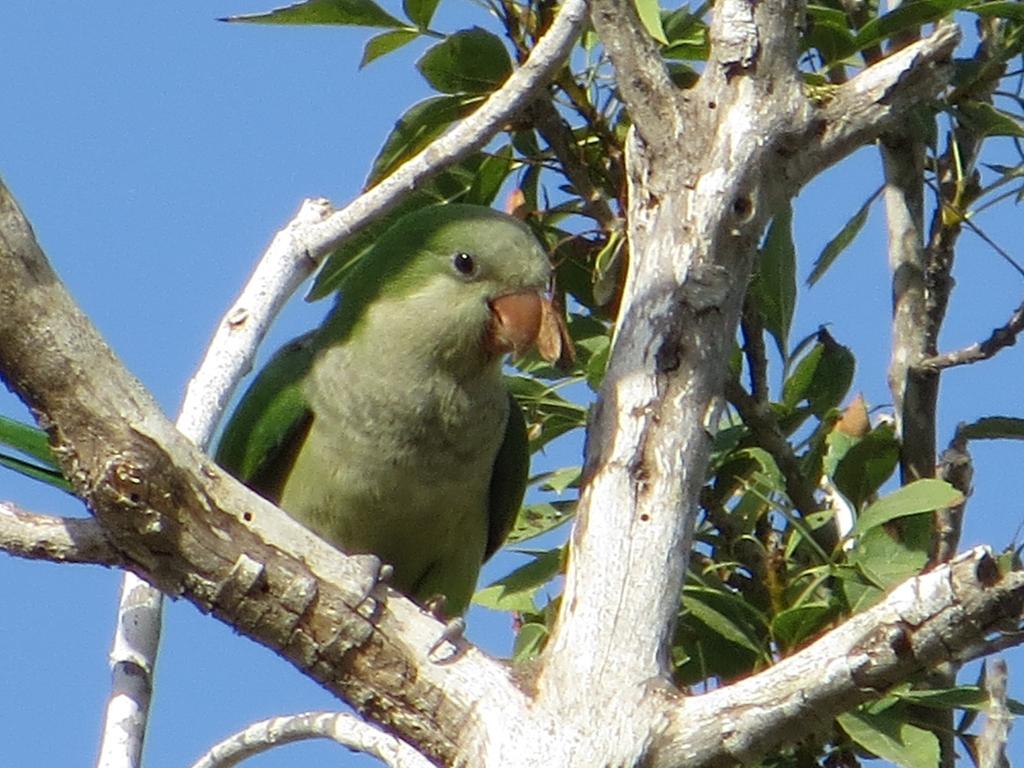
752	328
563	144
957	188
1000	338
347	730
762	425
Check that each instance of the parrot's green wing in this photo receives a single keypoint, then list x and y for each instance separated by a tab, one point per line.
508	482
261	442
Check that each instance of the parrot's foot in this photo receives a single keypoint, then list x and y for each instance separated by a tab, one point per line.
448	646
369	606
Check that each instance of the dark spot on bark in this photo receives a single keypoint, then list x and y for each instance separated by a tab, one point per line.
712	105
645	517
743	207
247	516
987	571
900	642
639	472
669	355
134	498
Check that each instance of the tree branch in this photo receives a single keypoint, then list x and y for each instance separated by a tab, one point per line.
57	539
132	666
957	469
752	328
914	393
936	617
641	76
282	268
696	216
859	110
347	730
1000	338
991	746
958	182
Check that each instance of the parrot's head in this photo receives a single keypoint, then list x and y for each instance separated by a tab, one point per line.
464	280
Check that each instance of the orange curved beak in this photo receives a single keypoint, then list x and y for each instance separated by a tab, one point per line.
515	322
525	319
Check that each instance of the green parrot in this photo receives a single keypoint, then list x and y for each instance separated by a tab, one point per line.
389	430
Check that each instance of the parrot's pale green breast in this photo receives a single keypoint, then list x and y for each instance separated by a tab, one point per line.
389	430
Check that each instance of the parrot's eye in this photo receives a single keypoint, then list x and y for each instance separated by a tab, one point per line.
464	263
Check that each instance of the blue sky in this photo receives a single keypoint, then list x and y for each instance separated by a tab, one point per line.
156	152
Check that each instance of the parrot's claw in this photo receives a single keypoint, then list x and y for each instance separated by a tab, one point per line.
436	606
448	646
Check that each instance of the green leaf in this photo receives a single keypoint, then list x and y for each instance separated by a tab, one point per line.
530	641
469	61
829	32
906	17
793	626
842	240
359	13
988	120
597	364
33	443
1001	10
696	603
536	519
769	477
687	34
490	177
918	497
994	428
560	479
859	592
28	440
887	558
607	268
886	735
822	377
385	43
421	124
36	472
867	464
515	591
548	414
775	284
649	12
420	12
961	697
